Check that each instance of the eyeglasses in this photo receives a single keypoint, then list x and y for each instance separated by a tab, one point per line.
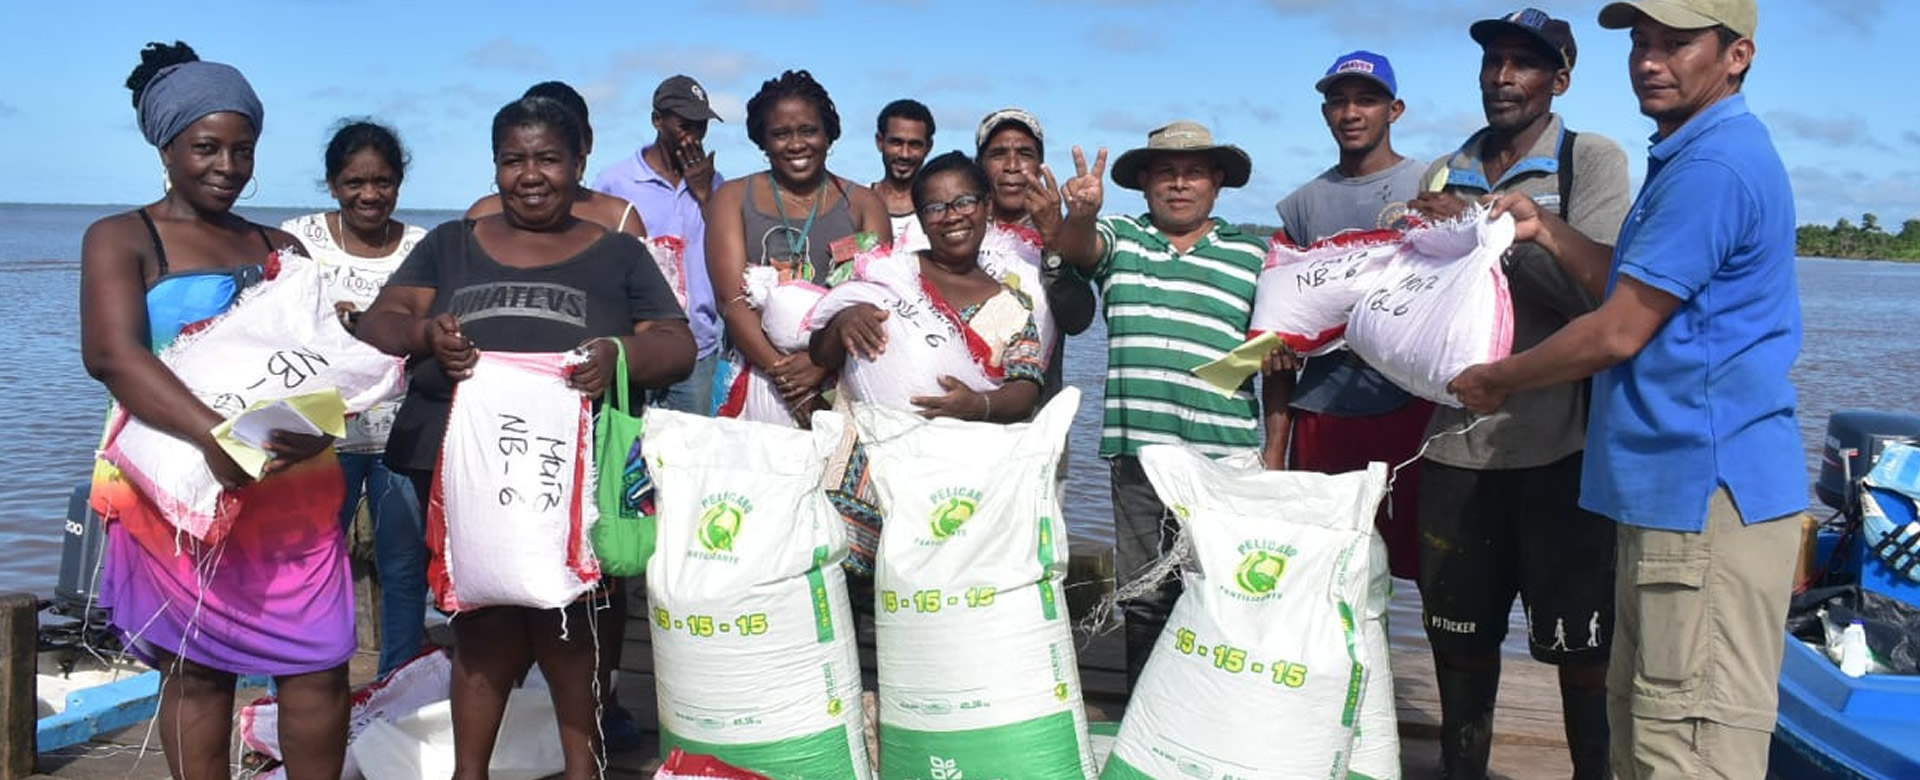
963	205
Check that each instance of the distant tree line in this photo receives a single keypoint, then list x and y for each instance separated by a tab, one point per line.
1867	240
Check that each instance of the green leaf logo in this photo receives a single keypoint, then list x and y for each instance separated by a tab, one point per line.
719	525
1259	572
950	515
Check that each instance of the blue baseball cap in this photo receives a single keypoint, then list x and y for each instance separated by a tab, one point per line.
1364	64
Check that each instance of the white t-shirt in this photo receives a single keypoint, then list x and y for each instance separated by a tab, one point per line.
347	277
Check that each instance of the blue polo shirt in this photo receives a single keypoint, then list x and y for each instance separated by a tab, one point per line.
1707	402
670	210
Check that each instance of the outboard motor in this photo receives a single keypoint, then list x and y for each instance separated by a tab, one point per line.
1855	439
74	594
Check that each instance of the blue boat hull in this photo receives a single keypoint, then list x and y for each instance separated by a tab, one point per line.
1835	726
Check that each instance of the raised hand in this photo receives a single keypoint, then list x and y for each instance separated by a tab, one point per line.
696	166
1085	192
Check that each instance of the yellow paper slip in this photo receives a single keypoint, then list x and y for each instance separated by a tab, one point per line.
245	436
1228	373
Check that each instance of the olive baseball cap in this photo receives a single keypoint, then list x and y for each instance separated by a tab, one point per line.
1739	16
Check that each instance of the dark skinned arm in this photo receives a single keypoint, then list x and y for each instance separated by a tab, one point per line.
1586	261
1011	402
1276	407
795	375
113	347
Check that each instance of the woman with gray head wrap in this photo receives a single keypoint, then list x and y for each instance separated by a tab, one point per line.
275	598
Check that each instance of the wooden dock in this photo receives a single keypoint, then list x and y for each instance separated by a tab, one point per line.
1528	740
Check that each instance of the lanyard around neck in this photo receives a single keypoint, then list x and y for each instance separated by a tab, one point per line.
796	241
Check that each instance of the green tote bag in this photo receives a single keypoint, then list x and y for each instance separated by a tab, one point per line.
623	537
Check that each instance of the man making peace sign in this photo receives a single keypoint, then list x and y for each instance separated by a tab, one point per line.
1178	285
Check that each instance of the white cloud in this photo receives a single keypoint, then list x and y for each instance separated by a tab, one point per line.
1128	123
1824	194
710	66
776	6
1392	19
1860	15
1108	36
1837	131
503	53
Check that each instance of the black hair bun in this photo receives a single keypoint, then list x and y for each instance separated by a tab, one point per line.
154	57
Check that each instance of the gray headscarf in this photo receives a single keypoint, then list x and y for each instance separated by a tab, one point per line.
179	95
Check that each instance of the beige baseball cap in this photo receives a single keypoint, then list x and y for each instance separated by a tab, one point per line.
1739	16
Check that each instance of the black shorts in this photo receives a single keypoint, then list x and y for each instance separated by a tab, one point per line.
1486	536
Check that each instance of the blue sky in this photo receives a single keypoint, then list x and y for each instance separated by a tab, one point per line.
1830	79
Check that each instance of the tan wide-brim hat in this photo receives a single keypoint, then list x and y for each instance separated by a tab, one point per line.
1184	137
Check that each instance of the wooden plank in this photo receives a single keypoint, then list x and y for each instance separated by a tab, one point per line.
19	709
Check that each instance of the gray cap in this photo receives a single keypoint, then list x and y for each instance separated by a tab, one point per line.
1006	116
684	97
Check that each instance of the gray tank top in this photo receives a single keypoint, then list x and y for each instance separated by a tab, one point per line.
779	242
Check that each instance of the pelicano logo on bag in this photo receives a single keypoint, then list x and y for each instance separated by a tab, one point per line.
721	518
952	507
1262	564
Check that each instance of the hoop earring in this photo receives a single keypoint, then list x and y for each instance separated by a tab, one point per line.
493	187
248	195
166	181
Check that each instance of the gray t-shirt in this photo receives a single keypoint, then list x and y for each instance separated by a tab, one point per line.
1340	383
1537	427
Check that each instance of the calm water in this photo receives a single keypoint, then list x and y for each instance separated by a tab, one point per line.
1858	354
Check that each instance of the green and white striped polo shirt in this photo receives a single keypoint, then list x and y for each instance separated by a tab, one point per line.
1169	312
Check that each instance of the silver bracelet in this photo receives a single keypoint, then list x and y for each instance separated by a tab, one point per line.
987	416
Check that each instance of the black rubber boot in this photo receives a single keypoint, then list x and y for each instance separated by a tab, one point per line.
1468	689
1583	704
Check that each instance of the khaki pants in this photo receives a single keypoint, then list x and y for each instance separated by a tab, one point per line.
1692	690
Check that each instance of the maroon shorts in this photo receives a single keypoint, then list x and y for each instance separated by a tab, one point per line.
1334	445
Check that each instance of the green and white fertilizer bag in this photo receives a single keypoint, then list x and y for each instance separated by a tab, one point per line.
978	676
1261	671
753	643
1376	738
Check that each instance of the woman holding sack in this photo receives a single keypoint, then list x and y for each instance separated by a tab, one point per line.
533	278
796	217
998	325
274	596
950	195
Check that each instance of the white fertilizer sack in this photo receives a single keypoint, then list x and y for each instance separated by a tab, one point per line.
978	677
1260	671
281	339
513	497
1305	295
1440	306
753	640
